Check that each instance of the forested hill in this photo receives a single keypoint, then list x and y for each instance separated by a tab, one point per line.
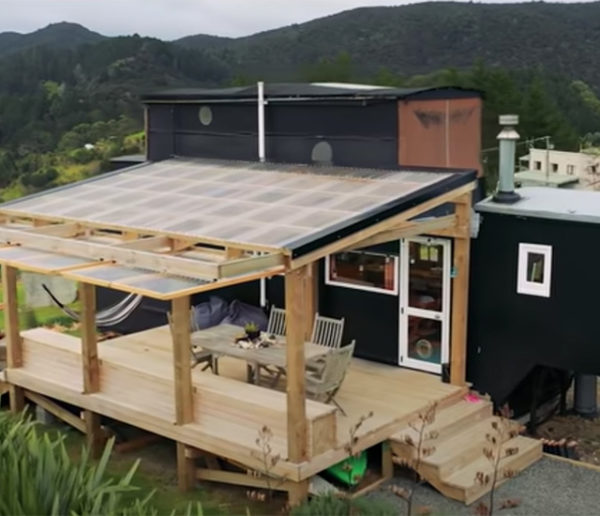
69	97
56	35
420	38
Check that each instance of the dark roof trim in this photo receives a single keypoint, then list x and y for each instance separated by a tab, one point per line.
294	92
359	222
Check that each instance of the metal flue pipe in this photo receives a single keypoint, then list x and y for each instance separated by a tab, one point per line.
261	121
506	171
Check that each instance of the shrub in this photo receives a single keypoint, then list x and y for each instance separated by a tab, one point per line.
39	477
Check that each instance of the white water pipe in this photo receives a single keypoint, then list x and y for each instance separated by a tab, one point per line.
261	121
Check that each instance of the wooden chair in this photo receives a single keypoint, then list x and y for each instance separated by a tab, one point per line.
199	355
277	323
327	331
324	384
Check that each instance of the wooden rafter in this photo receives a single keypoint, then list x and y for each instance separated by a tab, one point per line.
405	230
384	225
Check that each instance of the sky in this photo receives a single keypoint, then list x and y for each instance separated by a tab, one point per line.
172	19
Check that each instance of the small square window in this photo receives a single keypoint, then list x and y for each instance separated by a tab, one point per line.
535	266
537	165
554	167
570	169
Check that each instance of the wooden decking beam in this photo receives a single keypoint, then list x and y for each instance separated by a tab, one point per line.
460	293
14	352
58	411
241	266
68	229
297	439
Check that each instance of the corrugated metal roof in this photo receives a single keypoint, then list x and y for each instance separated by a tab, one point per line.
282	91
549	203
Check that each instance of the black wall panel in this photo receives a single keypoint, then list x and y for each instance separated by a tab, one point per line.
511	333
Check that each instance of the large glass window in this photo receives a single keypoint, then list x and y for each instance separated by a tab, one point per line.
363	270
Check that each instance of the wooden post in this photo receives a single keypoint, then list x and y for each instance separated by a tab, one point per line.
184	408
95	437
311	298
89	341
180	312
186	468
460	292
91	367
297	441
14	352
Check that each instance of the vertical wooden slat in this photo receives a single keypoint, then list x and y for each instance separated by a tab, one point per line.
185	469
14	351
89	341
180	310
295	282
460	292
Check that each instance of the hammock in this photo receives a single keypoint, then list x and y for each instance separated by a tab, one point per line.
110	316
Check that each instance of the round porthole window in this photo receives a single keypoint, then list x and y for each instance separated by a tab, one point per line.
424	349
205	115
322	153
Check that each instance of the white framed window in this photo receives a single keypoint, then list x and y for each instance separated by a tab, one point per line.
535	269
374	272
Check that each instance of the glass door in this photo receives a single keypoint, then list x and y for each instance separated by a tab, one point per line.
424	303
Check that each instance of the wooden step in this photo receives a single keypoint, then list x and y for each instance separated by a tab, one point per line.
463	481
448	422
462	448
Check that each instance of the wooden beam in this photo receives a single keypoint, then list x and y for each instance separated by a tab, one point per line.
14	351
460	294
297	438
129	257
58	411
67	230
95	437
242	479
311	298
182	345
146	244
384	225
251	264
89	341
406	230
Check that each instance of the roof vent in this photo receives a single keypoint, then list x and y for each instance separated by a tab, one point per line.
506	174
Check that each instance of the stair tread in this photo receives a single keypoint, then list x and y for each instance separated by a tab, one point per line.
458	443
465	477
447	416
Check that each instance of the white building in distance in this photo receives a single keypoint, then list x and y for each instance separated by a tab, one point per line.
546	163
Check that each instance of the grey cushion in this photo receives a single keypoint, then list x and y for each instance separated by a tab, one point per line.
241	314
211	312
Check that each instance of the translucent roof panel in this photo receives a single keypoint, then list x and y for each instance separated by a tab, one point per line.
259	205
34	260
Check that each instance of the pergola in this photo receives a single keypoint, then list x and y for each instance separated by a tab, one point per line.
171	229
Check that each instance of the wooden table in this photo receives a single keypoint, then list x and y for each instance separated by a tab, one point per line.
220	340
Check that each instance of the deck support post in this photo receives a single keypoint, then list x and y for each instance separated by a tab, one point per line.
460	291
14	351
91	367
311	297
297	443
184	408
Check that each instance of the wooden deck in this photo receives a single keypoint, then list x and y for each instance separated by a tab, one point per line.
137	387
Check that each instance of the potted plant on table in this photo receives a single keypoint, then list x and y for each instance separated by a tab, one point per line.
252	331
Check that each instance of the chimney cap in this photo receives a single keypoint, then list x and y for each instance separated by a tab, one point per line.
508	119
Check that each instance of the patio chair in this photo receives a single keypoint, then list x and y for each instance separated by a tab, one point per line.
277	322
327	331
276	326
200	355
324	384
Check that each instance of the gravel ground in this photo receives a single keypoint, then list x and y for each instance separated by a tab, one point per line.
549	487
